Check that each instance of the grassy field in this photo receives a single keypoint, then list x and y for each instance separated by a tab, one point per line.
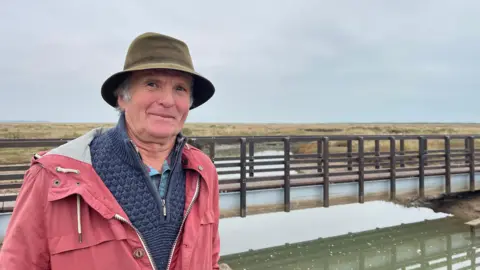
57	130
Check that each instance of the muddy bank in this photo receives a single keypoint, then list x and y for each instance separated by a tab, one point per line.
465	206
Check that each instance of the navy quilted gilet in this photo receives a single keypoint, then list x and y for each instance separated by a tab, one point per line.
119	166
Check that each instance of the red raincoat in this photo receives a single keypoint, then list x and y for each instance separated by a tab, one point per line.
66	218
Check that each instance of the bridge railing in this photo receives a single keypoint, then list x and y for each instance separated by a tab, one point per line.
265	162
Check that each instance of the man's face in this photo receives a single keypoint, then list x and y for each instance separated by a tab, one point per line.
159	104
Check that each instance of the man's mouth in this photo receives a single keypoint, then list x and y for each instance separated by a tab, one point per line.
163	115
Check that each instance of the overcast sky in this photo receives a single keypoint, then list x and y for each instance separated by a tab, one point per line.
270	60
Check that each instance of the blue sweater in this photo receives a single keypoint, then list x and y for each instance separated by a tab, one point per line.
116	161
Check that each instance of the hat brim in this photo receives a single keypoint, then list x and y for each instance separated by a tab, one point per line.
203	89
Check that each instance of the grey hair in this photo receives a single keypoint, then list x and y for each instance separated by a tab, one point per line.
123	91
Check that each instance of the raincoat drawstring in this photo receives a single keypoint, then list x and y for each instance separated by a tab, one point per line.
79	220
66	170
79	216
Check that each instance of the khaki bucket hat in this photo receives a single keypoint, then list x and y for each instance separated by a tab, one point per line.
157	51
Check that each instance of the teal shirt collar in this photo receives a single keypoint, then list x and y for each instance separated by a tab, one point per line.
165	167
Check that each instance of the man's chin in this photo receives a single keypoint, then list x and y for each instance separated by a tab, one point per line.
163	133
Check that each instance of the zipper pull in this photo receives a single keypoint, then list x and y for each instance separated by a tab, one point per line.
164	208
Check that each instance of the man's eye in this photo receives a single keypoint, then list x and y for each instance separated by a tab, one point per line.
180	88
152	84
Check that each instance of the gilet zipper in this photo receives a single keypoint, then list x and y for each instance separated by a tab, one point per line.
176	156
145	173
164	199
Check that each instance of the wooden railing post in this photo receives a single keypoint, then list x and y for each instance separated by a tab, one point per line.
211	150
319	155
326	157
393	165
361	170
448	175
243	177
466	141
425	151
349	154
377	154
251	158
421	167
402	153
471	146
286	183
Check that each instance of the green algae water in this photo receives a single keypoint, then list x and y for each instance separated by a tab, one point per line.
445	243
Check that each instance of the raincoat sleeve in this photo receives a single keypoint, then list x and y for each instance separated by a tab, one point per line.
25	243
216	234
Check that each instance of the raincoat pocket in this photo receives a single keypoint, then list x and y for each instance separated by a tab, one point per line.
207	218
90	239
99	249
205	236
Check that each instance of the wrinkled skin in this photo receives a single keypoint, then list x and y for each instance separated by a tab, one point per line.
157	110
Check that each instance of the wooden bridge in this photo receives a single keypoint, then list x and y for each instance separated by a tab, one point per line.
271	173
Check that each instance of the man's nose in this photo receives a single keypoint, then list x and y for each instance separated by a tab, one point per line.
166	96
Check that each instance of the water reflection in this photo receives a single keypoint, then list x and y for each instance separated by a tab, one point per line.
435	244
274	229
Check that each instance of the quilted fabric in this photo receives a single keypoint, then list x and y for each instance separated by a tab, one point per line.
120	167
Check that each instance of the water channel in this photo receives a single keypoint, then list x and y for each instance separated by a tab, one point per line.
374	235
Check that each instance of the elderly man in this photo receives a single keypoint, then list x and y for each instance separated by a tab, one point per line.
135	196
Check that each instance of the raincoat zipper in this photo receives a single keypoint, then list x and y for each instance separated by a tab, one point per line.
197	191
122	219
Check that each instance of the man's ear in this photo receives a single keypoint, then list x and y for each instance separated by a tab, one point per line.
121	103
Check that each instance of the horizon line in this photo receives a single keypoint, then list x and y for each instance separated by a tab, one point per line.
243	123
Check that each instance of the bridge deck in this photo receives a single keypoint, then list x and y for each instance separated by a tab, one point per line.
8	206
